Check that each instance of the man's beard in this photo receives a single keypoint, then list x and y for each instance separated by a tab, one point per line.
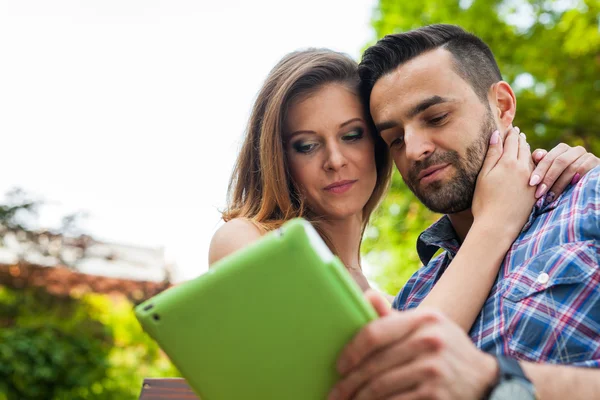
456	195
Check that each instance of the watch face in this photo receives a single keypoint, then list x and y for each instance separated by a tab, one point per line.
514	389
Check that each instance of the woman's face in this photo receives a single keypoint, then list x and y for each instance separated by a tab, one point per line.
331	152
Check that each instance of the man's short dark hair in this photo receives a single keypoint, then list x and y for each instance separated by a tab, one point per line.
473	59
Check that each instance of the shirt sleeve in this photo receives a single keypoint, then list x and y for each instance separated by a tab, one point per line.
589	202
596	204
420	284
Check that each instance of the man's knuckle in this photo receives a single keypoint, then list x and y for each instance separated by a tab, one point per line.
344	388
429	392
352	357
433	342
438	393
431	370
371	368
432	316
371	336
376	388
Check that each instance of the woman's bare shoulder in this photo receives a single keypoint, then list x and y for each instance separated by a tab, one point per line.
232	236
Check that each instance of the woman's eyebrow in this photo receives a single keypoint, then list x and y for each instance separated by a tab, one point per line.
351	121
296	133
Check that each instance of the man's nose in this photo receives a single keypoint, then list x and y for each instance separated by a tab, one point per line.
418	145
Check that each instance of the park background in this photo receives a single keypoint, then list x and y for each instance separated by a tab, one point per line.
120	122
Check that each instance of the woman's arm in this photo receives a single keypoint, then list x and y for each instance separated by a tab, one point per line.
497	220
502	203
230	237
465	285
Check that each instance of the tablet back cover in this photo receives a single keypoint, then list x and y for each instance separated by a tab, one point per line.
267	322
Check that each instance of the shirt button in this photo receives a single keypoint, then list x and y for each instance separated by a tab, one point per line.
543	278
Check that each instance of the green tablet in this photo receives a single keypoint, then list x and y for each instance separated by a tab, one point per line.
267	322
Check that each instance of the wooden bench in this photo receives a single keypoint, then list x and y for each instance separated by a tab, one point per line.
166	389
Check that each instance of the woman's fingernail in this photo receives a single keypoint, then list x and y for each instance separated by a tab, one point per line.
517	129
535	179
495	137
550	197
541	190
575	179
523	135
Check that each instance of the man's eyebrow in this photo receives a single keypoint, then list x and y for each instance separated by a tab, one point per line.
385	125
416	110
425	104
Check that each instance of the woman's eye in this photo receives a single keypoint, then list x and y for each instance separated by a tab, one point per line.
353	135
438	120
304	148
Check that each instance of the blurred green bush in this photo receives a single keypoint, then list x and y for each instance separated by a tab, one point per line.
90	347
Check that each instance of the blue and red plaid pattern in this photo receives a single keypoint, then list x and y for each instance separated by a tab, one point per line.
545	303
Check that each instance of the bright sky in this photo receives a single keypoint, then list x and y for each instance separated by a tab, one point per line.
134	109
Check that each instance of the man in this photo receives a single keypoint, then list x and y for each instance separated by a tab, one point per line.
434	93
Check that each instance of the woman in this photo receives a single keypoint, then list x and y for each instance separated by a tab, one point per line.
311	151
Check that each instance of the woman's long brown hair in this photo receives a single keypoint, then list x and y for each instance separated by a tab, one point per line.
261	188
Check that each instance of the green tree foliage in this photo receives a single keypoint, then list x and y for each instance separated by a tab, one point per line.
389	246
549	51
73	348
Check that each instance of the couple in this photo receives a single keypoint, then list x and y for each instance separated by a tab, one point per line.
519	269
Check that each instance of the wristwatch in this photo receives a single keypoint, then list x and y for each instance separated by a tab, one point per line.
512	383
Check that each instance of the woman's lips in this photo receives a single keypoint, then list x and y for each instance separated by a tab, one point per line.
340	187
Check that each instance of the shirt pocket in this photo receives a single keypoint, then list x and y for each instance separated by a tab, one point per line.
551	307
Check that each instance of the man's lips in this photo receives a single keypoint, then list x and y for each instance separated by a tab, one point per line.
340	186
431	172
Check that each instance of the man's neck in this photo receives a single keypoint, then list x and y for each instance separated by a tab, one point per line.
462	222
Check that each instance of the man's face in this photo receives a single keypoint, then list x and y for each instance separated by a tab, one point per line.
437	129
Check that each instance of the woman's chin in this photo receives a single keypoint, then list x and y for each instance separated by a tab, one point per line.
344	213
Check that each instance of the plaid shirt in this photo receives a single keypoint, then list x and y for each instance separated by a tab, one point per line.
545	303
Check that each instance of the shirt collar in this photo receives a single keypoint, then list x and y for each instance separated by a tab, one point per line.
542	206
545	204
442	234
439	235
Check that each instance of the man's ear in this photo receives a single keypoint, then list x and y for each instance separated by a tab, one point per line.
503	103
